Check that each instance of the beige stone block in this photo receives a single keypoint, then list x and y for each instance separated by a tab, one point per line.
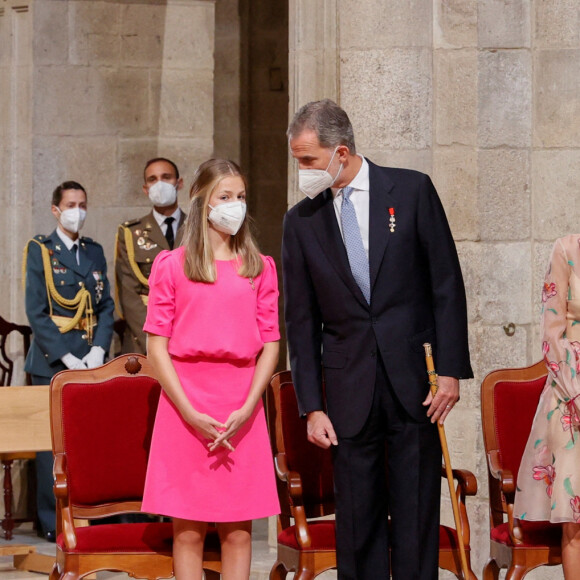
189	153
383	24
455	24
557	24
455	177
388	96
132	156
314	77
503	23
94	33
556	203
91	161
505	98
123	101
497	280
186	106
51	32
417	159
557	98
189	36
504	195
313	25
142	32
455	78
56	115
492	349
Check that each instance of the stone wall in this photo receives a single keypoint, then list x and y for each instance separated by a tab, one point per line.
484	96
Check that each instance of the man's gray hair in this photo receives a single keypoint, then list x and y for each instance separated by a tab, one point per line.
330	123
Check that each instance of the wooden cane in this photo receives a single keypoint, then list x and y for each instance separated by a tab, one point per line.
434	386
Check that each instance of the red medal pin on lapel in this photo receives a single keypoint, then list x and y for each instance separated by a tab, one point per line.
392	223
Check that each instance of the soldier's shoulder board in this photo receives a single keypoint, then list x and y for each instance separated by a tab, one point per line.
130	223
41	238
88	241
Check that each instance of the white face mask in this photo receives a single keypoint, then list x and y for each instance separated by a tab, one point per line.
162	194
311	182
72	220
228	217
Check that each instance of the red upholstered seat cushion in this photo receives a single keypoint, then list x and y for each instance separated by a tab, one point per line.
323	536
130	538
448	539
535	534
515	405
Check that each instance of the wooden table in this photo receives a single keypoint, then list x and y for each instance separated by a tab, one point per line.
25	427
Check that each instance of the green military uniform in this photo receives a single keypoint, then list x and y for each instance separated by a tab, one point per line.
139	241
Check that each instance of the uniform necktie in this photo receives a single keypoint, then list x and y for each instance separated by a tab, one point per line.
357	258
74	250
169	232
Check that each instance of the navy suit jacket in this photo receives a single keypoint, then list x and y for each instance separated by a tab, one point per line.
417	296
48	344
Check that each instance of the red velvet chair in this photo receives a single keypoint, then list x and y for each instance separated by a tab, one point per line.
102	421
509	398
306	492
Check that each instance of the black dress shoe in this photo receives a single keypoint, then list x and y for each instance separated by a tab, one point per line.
50	536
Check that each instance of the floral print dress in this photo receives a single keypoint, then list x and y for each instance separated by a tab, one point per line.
548	485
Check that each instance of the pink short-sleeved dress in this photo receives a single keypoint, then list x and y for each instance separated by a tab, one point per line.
215	333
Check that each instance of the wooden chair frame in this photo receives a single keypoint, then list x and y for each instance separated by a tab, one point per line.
307	563
518	558
7	459
72	565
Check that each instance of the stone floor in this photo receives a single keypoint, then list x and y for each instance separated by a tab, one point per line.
262	559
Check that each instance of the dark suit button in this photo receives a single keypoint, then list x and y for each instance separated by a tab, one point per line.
373	354
375	319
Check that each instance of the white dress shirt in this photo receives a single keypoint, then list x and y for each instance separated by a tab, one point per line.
160	219
360	201
69	243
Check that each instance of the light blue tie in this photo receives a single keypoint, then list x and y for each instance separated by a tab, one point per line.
357	257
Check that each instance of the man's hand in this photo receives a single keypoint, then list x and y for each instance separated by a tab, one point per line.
72	362
320	430
446	397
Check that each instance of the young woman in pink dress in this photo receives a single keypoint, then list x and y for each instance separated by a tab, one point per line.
212	324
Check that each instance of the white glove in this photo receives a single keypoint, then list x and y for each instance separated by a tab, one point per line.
95	357
72	362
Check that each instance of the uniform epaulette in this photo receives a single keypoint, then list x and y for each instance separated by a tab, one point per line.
88	240
130	223
41	238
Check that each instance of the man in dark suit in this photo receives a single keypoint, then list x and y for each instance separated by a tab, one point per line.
370	274
70	311
139	241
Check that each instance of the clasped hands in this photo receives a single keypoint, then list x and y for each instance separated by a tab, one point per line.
218	433
94	358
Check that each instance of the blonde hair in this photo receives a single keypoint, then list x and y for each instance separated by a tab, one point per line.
199	263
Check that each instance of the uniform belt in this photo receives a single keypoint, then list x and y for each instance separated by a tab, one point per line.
62	321
144	298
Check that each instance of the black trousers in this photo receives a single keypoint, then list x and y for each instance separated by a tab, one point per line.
392	467
45	500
